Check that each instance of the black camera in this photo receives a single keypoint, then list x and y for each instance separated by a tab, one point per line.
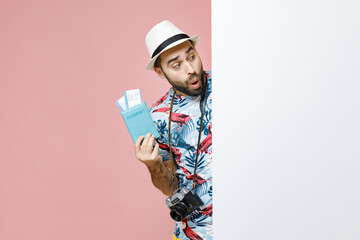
182	203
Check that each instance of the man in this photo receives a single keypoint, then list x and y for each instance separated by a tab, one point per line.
172	164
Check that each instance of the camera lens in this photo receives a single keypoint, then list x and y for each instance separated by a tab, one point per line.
178	212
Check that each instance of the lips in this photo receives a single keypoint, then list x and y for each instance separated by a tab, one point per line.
193	80
195	84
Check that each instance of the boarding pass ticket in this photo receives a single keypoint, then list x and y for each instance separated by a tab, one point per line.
121	103
132	98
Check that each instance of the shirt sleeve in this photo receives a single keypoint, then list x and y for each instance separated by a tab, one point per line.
164	154
164	149
161	125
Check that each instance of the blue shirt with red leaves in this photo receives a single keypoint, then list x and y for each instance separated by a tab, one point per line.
185	125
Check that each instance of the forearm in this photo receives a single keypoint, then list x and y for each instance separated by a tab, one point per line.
161	178
160	172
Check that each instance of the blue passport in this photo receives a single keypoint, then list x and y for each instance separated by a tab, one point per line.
139	122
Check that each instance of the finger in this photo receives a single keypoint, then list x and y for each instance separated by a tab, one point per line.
145	142
150	143
156	150
137	144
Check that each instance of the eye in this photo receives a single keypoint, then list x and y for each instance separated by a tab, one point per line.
176	66
191	57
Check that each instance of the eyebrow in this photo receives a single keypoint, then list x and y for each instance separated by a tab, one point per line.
189	49
172	60
176	58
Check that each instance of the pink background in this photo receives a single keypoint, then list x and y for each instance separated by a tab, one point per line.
67	169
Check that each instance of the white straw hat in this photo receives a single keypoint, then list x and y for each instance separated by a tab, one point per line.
162	37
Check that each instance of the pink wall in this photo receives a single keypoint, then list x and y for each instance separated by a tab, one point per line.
67	169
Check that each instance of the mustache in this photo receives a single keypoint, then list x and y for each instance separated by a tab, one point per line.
192	76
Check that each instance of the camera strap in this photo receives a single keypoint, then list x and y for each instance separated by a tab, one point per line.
169	131
202	109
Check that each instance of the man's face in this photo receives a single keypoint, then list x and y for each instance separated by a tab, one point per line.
182	67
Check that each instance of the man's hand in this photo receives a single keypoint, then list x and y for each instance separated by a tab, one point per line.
145	152
160	172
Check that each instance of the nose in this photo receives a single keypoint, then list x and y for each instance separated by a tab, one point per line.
189	68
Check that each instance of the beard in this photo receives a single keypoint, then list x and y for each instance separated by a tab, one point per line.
186	86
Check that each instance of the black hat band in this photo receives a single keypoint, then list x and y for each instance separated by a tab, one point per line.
169	41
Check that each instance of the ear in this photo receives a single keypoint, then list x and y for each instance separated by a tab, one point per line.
159	72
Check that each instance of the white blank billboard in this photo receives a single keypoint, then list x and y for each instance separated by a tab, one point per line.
286	119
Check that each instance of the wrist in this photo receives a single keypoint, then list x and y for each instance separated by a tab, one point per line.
154	164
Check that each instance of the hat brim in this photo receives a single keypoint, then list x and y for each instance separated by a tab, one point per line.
194	39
